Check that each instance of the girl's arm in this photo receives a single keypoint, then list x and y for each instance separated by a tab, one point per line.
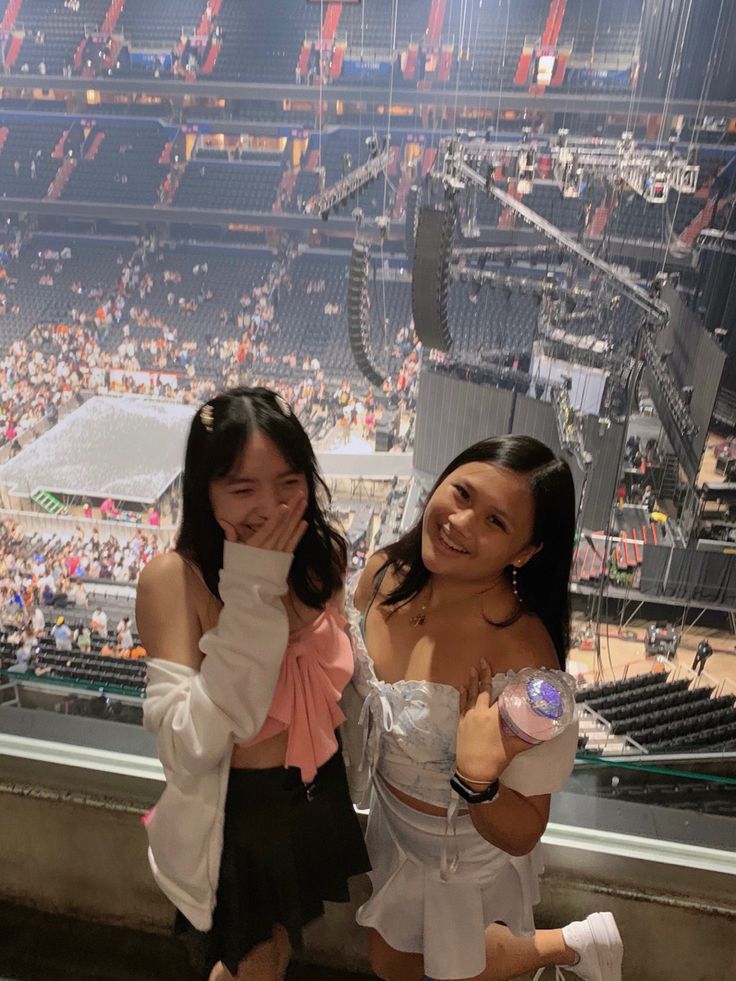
516	818
198	706
512	822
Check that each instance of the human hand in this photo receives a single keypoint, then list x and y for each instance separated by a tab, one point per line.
485	747
281	532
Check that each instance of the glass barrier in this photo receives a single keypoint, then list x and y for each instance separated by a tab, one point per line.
687	799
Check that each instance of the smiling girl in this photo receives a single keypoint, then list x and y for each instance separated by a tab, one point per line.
469	606
247	660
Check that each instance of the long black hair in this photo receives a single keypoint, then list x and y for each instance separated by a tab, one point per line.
543	582
217	436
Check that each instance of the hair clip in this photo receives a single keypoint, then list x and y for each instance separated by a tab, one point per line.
283	404
207	417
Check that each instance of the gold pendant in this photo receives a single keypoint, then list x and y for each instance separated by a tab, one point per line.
418	619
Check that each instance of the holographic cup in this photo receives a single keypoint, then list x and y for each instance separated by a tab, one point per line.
537	704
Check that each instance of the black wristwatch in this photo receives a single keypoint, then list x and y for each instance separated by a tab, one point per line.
474	796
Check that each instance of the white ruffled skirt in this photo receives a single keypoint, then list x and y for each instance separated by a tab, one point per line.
418	909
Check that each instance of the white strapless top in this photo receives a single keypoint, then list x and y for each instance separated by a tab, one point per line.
410	727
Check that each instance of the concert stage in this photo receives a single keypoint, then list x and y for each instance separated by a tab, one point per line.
130	449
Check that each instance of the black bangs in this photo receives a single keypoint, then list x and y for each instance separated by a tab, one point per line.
219	432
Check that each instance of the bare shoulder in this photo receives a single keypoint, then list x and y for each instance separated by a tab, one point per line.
525	644
366	584
165	610
166	566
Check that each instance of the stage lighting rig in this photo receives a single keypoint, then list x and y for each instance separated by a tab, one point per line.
514	284
348	186
457	173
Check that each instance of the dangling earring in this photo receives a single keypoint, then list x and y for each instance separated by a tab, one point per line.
515	581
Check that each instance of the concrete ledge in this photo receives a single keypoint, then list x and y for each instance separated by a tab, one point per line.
83	856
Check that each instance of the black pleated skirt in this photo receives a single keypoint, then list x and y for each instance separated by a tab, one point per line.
287	848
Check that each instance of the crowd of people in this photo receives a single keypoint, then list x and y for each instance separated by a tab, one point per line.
50	570
125	347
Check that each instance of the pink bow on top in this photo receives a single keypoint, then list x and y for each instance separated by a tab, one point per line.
317	665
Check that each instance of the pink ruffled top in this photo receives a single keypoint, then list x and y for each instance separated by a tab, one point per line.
317	665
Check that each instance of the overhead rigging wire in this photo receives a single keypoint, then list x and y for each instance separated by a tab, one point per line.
394	29
674	73
503	67
704	93
321	55
637	89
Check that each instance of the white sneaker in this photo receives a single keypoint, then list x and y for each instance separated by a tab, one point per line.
598	943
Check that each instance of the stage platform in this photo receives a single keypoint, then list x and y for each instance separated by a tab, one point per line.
128	448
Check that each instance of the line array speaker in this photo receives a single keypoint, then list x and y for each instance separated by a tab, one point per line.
431	276
358	313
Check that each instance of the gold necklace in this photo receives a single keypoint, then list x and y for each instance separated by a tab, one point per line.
419	619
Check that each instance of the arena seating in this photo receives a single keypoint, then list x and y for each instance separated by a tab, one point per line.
94	265
307	184
230	272
605	33
635	218
662	715
493	323
547	200
488	46
53	32
93	668
125	168
678	695
229	187
636	683
28	140
305	327
682	208
370	26
261	41
159	25
335	145
691	795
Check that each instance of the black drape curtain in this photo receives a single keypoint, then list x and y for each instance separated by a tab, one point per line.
701	577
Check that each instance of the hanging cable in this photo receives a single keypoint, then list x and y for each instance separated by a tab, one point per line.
319	124
704	93
503	66
636	90
395	17
675	70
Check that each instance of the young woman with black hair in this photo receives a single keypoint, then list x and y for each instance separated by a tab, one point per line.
461	630
247	660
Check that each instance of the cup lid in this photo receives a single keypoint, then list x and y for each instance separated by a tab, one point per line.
545	698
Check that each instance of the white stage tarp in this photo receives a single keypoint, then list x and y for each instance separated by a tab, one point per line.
127	448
